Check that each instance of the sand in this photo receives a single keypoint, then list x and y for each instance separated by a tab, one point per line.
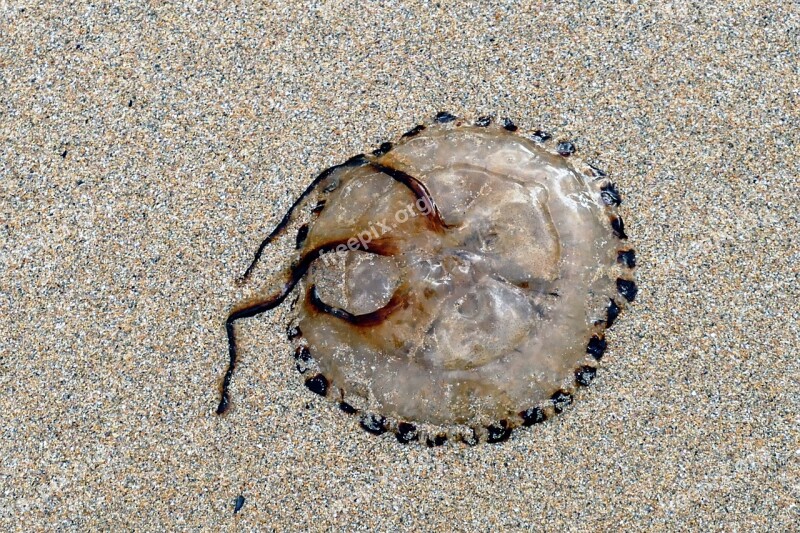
146	149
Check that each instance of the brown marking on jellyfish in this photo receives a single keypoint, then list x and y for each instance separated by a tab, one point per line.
347	408
541	136
293	332
509	125
436	440
398	300
610	194
303	359
596	172
302	233
297	270
301	367
420	191
355	161
612	312
303	354
372	423
251	308
317	209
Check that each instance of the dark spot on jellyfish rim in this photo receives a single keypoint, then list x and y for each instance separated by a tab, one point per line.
318	384
406	433
383	149
627	289
414	131
444	117
293	332
612	312
483	121
372	423
347	408
302	233
541	136
597	347
317	209
598	173
584	375
238	504
610	194
302	359
565	148
509	125
471	439
627	258
534	415
561	399
618	226
355	161
499	432
302	353
438	440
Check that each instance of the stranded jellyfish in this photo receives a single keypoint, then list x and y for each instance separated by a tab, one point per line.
453	285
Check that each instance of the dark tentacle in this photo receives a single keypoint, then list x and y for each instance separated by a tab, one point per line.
373	318
355	161
253	308
420	192
417	187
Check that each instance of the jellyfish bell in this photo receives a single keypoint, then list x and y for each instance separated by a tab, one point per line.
456	284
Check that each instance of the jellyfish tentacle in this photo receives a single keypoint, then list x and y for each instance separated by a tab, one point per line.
420	191
413	184
373	318
257	306
355	161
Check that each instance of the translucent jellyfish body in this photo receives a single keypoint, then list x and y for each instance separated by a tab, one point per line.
455	284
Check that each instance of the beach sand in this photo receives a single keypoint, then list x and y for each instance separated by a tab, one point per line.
145	150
